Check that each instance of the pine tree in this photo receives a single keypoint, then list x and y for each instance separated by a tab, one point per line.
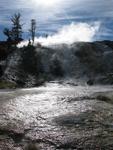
16	27
7	33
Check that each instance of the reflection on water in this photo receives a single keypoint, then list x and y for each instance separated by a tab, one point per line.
53	106
48	101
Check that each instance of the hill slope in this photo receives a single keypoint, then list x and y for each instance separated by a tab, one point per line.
92	62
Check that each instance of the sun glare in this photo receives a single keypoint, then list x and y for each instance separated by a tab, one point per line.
45	3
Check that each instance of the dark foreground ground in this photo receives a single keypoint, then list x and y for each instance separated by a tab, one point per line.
57	116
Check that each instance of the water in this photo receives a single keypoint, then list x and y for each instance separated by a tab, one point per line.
55	116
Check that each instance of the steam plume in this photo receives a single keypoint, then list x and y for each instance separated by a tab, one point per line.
69	34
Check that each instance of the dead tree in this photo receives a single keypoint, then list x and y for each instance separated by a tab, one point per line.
33	30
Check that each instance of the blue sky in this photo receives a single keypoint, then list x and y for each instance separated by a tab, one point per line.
61	13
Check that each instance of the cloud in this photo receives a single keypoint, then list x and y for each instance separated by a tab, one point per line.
69	34
51	18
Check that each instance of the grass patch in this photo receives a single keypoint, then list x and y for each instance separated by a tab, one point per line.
7	85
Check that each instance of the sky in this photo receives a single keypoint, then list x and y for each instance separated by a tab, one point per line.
55	16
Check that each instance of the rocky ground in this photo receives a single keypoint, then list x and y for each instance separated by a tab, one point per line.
57	116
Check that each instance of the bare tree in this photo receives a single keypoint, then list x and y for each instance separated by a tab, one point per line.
33	30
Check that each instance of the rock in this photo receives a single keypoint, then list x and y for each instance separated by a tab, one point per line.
90	82
104	96
32	146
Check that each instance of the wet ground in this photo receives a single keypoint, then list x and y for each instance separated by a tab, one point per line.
57	116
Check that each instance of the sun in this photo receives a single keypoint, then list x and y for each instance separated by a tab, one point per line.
45	3
48	2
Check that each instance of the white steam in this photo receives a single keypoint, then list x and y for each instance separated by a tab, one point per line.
69	34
